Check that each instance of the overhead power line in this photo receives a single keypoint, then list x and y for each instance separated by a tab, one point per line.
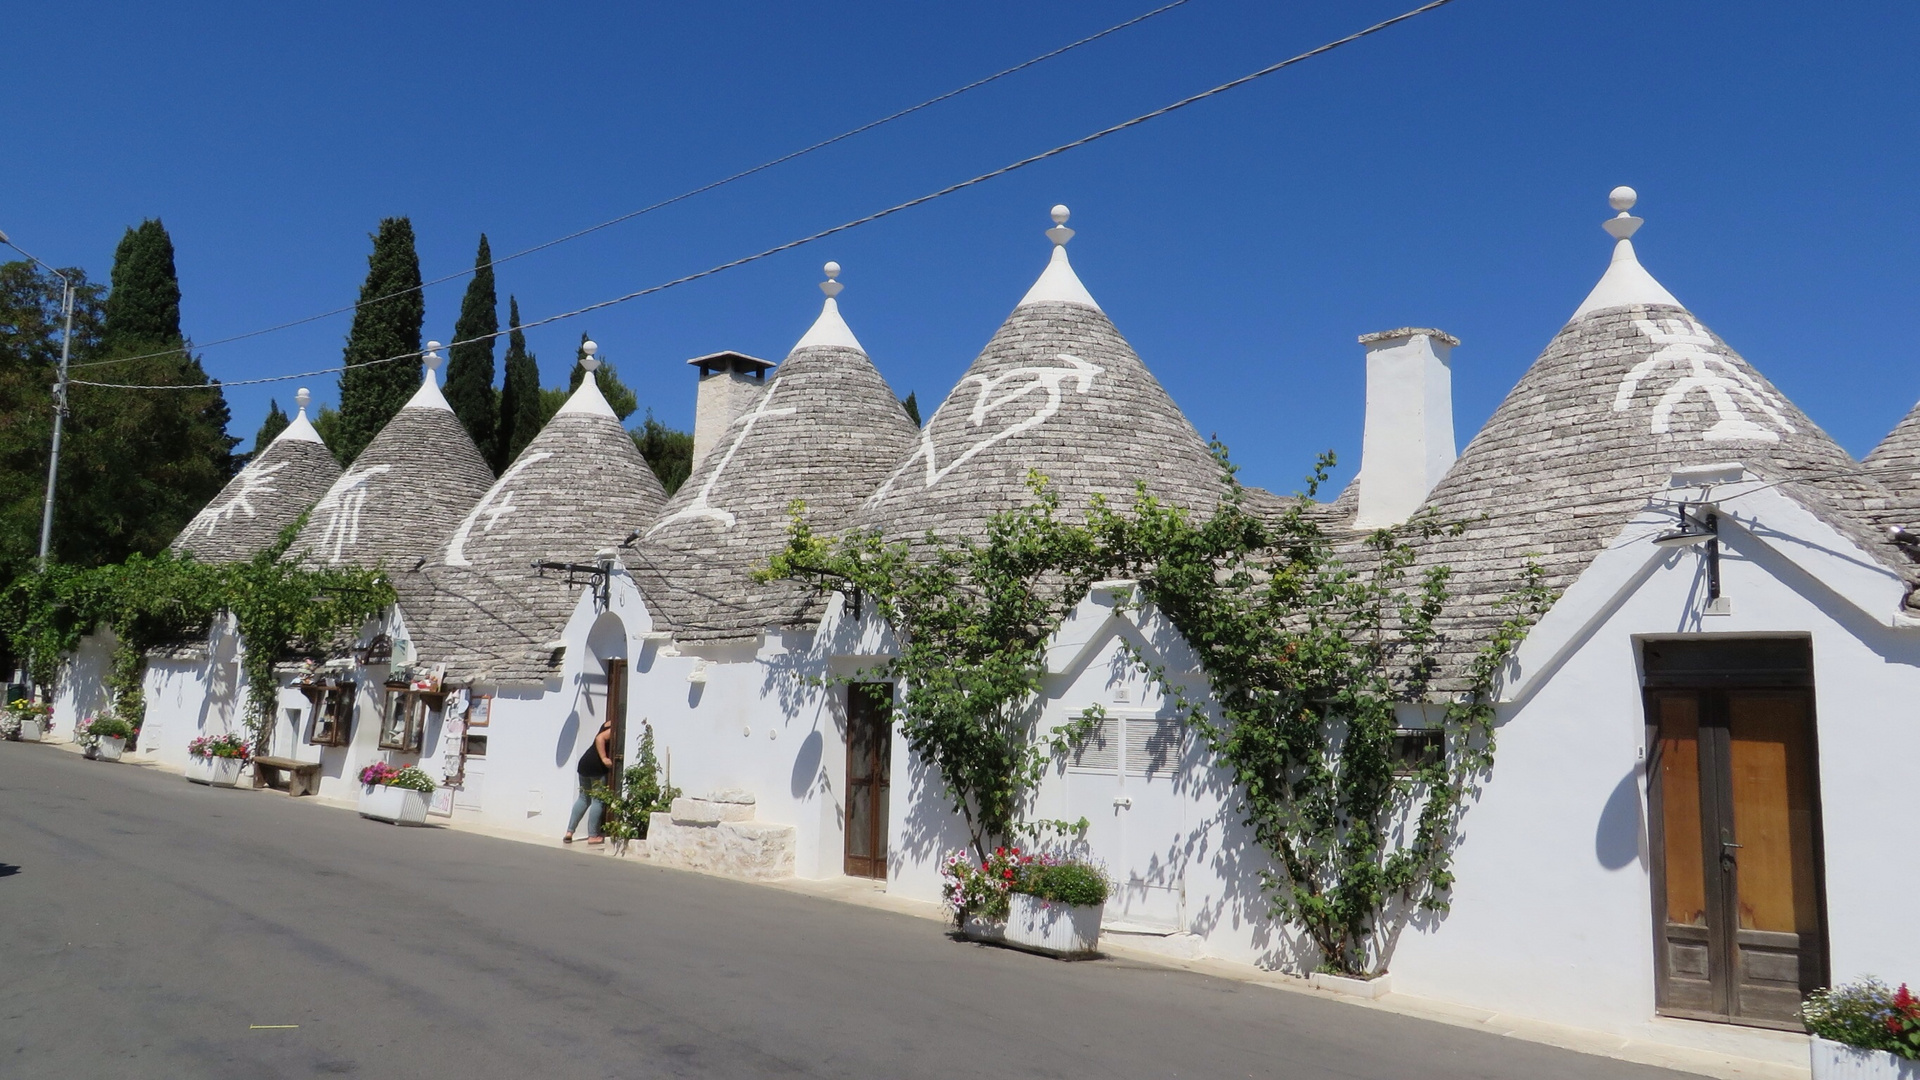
859	221
683	196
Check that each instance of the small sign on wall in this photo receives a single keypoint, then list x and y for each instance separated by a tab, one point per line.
441	804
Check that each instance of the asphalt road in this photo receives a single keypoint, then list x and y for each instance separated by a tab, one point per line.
147	925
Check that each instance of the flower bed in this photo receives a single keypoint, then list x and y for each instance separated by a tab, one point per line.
104	737
1864	1031
26	721
395	795
1040	902
217	759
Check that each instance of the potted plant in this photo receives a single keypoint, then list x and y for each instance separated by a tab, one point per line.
396	795
218	759
199	761
29	721
1864	1031
1054	907
976	895
105	737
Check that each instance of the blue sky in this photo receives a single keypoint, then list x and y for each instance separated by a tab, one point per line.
1450	172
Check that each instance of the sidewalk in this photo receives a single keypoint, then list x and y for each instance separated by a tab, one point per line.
1717	1050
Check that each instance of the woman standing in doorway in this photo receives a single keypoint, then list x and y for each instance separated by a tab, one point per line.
593	768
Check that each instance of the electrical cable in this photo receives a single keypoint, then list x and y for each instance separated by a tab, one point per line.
859	221
662	204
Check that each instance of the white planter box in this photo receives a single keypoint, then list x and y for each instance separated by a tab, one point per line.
1838	1061
979	929
200	770
1376	987
226	771
32	730
112	748
402	806
1052	928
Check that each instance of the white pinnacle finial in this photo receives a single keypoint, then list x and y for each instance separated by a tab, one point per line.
587	359
1624	224
300	398
1060	234
432	359
831	287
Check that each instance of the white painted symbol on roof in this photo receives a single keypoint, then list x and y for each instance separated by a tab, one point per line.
342	508
700	507
497	504
1688	346
1005	389
255	479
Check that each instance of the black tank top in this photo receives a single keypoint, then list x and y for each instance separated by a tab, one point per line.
590	765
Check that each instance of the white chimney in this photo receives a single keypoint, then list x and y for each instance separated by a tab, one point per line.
1408	444
728	382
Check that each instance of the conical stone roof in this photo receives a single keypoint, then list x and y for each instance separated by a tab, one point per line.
269	494
1056	389
402	495
825	430
1625	393
1896	464
579	487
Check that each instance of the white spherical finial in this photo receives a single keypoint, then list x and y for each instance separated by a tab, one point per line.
1060	234
1622	198
589	347
587	358
832	269
831	287
432	358
301	397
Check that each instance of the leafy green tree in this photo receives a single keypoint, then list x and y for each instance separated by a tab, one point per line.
138	464
668	452
30	326
520	410
622	400
326	424
551	398
270	429
385	325
912	405
469	386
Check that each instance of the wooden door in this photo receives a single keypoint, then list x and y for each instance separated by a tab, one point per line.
617	709
869	756
1735	839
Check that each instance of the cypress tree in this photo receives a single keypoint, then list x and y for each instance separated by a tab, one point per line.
912	405
270	429
386	324
519	397
139	464
469	386
620	399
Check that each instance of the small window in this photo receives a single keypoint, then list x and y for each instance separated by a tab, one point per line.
1100	750
476	746
332	714
406	720
1414	750
1153	746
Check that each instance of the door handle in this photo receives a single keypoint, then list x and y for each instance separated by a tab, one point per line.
1124	800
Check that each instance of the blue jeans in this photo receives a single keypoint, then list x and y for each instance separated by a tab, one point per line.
591	807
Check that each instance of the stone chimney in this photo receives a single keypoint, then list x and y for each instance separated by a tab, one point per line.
1408	445
728	382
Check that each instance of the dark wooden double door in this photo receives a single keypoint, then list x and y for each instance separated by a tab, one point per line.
869	754
1735	834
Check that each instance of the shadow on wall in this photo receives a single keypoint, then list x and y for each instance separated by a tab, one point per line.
806	765
1616	842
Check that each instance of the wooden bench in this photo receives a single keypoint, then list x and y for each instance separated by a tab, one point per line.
303	777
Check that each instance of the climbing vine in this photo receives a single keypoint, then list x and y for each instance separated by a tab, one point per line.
1314	645
280	610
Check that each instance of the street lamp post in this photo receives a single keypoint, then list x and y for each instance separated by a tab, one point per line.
59	396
